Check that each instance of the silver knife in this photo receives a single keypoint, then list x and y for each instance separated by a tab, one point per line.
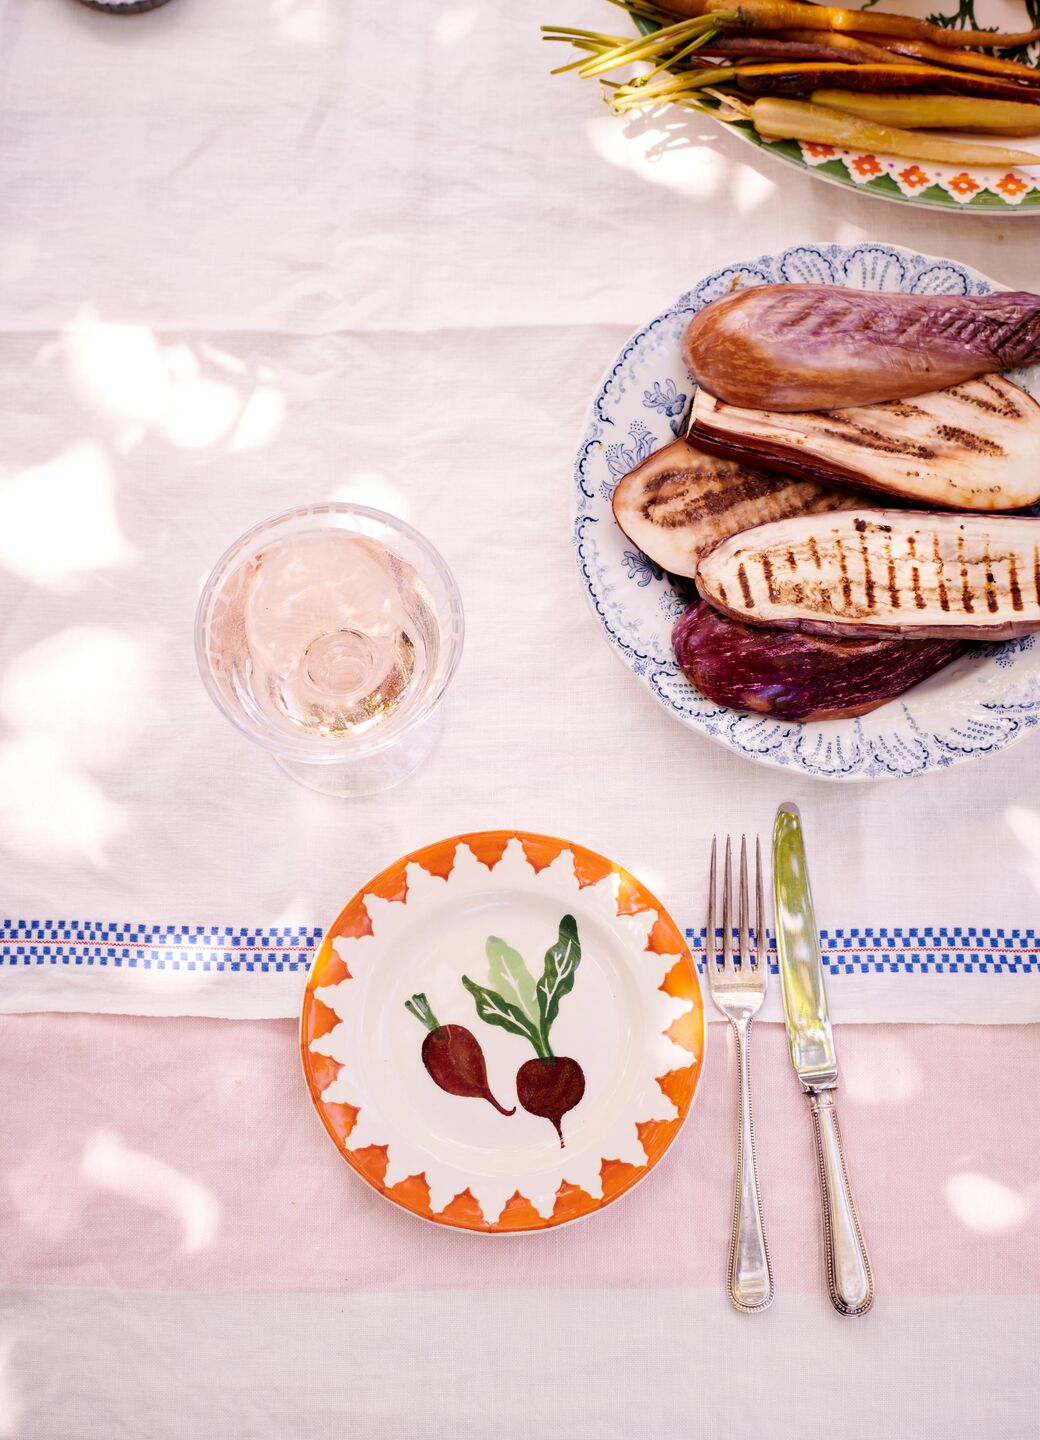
811	1044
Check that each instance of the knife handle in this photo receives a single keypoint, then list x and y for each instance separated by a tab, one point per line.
849	1279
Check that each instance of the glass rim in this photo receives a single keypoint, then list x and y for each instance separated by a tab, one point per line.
332	750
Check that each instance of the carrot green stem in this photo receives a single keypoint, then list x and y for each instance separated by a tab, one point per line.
694	44
674	91
662	48
661	43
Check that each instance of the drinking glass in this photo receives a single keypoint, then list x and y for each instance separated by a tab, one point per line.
329	636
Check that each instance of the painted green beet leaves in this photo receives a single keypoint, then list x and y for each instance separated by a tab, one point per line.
549	1085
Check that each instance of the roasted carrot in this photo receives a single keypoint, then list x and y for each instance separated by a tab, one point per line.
880	50
800	15
936	112
805	45
798	78
960	59
799	120
841	46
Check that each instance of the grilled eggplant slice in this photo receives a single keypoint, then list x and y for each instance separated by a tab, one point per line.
680	502
882	572
821	347
799	677
973	446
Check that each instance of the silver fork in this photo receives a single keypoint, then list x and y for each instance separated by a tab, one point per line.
738	991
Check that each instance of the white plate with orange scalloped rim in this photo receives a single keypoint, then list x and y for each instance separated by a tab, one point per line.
984	701
544	1087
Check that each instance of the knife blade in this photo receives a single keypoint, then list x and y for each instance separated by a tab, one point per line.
811	1044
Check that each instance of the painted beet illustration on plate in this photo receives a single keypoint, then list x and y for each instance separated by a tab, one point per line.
453	1057
549	1085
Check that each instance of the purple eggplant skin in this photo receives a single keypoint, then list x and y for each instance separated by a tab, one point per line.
822	347
795	676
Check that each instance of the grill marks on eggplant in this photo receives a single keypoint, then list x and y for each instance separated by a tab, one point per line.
1014	587
896	572
965	440
814	604
680	502
988	399
972	446
844	428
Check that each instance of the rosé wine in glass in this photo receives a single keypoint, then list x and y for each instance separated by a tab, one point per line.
329	635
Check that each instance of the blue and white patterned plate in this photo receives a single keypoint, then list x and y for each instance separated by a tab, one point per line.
981	703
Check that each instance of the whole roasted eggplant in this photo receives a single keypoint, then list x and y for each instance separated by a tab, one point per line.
680	502
798	677
821	347
902	573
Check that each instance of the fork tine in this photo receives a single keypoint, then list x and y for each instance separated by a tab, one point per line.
761	939
727	914
745	936
710	952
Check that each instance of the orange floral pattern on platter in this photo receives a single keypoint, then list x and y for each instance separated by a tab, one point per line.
519	1214
948	188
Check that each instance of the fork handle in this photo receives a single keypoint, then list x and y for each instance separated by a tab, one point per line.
750	1278
849	1280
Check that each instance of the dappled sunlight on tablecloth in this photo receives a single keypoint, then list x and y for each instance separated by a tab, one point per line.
373	488
260	419
58	520
118	368
695	171
1024	825
110	1165
51	810
687	155
751	189
192	395
985	1205
304	21
454	25
87	689
72	704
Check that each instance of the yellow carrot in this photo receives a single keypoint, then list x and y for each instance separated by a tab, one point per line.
802	120
936	112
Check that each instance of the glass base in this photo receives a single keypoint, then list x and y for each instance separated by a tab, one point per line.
369	774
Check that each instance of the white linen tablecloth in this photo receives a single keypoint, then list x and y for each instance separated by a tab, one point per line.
257	254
